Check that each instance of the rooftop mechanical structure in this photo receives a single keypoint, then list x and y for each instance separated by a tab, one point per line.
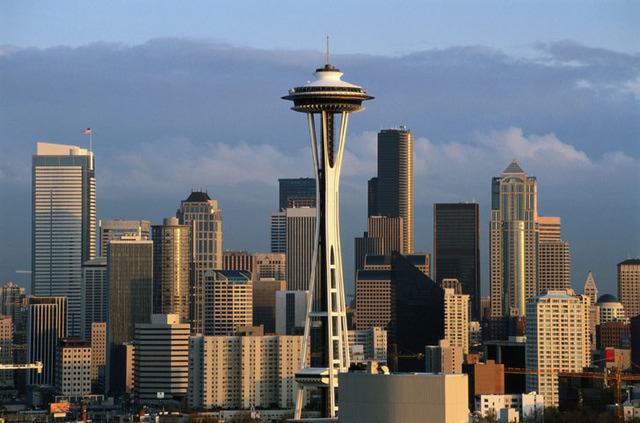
326	323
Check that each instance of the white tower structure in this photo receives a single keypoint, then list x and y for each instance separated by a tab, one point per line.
327	96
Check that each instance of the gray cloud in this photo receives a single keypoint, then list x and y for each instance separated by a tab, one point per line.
173	115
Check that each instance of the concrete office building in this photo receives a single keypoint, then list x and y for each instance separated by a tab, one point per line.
228	301
278	225
94	294
401	398
554	262
203	216
113	230
456	319
161	361
130	276
456	248
300	230
47	325
243	371
63	224
629	286
513	241
237	260
557	340
73	368
393	190
171	263
291	312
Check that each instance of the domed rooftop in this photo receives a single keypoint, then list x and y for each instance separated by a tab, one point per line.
607	298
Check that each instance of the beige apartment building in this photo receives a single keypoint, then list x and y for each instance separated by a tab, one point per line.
239	372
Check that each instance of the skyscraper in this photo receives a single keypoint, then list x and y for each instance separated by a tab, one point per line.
130	279
112	230
393	188
554	270
94	294
629	286
300	192
557	340
279	232
171	289
204	217
456	248
63	224
268	278
513	241
47	326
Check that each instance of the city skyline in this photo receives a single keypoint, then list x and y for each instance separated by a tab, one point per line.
160	129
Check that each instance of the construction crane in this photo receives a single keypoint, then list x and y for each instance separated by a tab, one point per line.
37	365
614	377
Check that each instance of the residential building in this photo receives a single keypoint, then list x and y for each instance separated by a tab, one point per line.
456	248
456	319
203	216
98	348
554	269
171	263
528	407
557	340
161	361
372	343
63	224
629	286
6	335
513	241
228	301
243	371
394	183
443	358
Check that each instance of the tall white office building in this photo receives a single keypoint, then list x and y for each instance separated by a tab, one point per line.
63	224
557	340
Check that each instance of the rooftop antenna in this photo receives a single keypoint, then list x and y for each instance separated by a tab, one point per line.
327	50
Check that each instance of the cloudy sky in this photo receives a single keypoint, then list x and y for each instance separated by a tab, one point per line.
186	96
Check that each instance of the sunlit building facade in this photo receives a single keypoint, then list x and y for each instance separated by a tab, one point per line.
63	224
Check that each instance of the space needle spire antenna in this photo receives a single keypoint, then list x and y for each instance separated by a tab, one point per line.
331	100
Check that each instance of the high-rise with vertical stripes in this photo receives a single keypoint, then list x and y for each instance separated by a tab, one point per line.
63	224
392	191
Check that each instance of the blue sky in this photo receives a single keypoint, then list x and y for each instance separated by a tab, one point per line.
186	96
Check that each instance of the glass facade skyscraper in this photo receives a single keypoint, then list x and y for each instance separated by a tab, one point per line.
63	224
456	248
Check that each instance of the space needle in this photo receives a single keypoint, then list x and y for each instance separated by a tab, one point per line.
326	97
